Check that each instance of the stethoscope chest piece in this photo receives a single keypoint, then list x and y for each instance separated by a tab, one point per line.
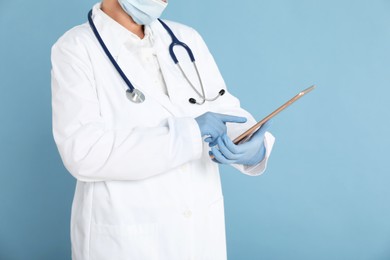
135	96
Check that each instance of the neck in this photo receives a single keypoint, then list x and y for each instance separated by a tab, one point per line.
115	11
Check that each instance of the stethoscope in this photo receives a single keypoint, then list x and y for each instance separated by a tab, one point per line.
135	95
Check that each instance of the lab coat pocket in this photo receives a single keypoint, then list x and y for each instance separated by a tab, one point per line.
122	242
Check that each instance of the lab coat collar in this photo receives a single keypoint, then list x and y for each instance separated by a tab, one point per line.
170	70
118	39
142	81
114	35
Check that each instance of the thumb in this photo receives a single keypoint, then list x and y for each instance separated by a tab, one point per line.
264	127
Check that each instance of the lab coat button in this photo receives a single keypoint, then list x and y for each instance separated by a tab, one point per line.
187	213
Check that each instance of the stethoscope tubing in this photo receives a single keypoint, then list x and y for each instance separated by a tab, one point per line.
117	67
176	42
135	94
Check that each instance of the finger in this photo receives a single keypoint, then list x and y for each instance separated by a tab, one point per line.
214	160
225	151
230	118
219	156
213	143
217	127
230	145
213	157
264	127
214	132
260	133
208	139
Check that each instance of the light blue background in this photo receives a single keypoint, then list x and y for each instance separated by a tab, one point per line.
326	194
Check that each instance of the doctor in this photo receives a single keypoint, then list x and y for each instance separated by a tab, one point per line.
146	186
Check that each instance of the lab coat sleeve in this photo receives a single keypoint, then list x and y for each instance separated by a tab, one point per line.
92	151
228	104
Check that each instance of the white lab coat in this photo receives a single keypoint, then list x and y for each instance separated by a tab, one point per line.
146	187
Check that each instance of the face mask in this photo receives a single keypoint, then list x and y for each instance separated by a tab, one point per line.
143	11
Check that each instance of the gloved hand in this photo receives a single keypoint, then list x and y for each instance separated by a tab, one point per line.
249	153
213	124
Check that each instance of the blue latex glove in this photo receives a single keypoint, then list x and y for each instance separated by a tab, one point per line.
213	124
249	153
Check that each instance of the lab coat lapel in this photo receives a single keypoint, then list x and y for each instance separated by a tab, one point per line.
142	81
176	84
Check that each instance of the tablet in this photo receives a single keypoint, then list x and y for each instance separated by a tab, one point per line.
248	133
